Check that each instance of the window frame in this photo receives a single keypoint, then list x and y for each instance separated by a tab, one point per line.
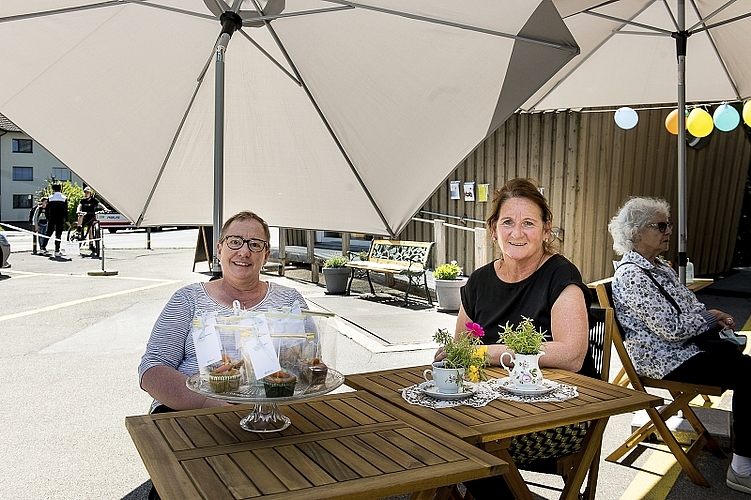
16	146
18	178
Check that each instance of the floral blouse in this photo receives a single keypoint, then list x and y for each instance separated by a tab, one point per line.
655	333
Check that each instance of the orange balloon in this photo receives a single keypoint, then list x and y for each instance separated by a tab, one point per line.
699	123
747	113
671	122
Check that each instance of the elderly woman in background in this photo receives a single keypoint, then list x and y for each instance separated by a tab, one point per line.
170	358
533	281
661	319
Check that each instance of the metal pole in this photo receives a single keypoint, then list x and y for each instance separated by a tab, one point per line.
681	39
218	150
231	21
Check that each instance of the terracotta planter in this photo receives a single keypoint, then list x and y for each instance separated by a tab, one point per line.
448	293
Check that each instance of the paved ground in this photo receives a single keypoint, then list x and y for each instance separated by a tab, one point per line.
72	343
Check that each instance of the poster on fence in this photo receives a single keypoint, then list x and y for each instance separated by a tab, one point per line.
482	192
454	190
469	191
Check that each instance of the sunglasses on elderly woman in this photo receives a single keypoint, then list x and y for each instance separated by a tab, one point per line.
661	226
254	244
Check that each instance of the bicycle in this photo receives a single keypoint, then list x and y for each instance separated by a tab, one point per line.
91	233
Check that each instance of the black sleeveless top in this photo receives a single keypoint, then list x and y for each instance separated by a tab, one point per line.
491	302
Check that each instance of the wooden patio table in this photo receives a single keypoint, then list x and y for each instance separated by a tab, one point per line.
349	445
492	427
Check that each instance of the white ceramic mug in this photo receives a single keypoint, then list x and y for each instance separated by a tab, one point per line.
446	380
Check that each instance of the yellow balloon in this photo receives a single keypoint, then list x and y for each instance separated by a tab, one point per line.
747	113
671	122
699	123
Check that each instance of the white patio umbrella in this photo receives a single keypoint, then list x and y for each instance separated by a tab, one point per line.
654	51
339	115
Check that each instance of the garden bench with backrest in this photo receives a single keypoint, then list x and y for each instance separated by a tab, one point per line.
406	258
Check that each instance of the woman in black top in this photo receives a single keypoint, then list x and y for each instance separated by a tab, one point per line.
529	280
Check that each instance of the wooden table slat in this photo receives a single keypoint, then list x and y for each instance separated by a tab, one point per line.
363	467
231	474
263	479
288	474
206	480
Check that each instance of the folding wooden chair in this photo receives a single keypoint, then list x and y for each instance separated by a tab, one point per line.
682	394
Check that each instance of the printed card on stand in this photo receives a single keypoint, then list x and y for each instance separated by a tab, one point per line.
259	347
207	343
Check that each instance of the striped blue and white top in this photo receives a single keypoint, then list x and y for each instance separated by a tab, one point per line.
171	341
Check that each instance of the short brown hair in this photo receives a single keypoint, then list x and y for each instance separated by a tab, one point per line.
243	216
520	188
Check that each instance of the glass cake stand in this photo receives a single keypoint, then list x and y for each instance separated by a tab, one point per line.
265	416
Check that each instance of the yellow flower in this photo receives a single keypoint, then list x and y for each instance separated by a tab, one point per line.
473	374
480	352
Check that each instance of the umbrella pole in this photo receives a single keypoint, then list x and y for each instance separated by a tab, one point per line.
681	38
216	268
231	21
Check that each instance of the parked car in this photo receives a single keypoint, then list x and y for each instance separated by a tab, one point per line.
4	251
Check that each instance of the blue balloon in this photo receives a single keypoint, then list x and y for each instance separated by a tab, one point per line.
726	117
626	118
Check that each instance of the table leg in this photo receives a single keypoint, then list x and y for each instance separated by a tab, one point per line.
443	493
583	459
513	478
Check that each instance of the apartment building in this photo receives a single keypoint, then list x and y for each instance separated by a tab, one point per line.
24	167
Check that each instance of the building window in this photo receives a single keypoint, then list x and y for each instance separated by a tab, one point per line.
23	173
61	173
23	200
22	146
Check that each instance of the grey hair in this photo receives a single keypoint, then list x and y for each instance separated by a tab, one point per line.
632	218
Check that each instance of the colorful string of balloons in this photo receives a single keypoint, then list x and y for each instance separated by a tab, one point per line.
699	122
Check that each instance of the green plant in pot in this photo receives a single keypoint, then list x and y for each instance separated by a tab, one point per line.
527	343
448	285
335	273
524	338
448	271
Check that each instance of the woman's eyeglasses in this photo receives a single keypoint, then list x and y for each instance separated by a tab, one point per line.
254	244
661	226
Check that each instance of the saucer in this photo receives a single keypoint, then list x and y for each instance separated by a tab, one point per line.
431	390
545	387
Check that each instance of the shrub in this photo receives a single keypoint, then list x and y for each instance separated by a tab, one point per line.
447	271
336	261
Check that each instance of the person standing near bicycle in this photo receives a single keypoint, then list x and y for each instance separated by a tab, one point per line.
86	211
57	213
40	224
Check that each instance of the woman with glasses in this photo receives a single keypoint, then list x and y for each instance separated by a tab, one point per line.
170	356
662	319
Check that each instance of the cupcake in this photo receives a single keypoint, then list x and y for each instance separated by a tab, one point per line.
314	372
226	376
225	381
279	384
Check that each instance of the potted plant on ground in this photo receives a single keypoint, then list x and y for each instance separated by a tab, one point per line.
465	355
448	283
335	274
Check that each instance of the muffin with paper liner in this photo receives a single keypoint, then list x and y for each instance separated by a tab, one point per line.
226	376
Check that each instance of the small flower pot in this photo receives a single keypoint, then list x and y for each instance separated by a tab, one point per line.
336	280
448	293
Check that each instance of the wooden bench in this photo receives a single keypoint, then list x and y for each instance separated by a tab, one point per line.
407	258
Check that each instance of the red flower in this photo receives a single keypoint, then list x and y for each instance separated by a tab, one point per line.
476	329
